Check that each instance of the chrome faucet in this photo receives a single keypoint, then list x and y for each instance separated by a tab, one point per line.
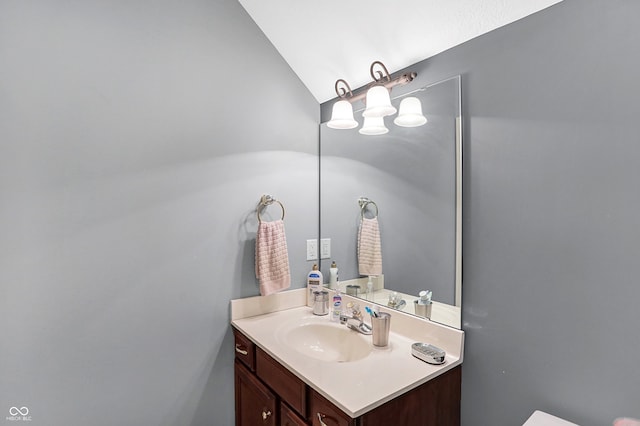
354	321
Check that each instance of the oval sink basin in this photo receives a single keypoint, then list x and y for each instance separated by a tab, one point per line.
327	342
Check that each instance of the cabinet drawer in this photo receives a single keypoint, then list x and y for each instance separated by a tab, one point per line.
289	418
322	412
245	350
290	388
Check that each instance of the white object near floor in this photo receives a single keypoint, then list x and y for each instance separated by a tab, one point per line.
540	418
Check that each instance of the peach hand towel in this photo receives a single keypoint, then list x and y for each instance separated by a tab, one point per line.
272	258
369	247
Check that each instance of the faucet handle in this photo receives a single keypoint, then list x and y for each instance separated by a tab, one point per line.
355	311
354	307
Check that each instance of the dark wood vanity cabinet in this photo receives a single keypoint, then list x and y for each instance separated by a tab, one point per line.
436	402
284	383
245	350
268	394
255	403
324	411
289	418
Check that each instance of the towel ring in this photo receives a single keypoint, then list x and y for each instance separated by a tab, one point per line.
364	202
267	200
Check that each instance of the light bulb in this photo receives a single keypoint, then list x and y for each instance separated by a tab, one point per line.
342	116
378	103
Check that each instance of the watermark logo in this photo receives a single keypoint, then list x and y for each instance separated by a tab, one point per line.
19	414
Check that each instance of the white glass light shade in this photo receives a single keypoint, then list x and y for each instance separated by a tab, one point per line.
373	126
410	114
378	103
342	116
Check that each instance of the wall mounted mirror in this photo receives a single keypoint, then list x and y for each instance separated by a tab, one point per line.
414	176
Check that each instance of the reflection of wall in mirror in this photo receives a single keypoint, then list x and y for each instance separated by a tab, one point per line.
410	174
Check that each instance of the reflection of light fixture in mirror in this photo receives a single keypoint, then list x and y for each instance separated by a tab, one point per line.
373	126
378	102
342	112
410	114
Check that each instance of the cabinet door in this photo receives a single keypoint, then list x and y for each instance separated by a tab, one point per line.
289	418
324	413
255	404
435	403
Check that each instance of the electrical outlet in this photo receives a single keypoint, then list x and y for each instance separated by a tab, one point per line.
312	249
325	248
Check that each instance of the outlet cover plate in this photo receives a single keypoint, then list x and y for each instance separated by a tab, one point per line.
312	249
325	248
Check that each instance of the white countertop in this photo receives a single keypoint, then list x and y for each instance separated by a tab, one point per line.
358	386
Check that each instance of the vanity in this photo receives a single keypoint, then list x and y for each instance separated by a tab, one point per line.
296	368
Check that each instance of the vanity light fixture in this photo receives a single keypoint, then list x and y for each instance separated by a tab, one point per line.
342	112
378	103
376	96
378	99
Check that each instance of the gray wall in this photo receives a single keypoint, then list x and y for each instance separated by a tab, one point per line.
127	188
135	141
551	223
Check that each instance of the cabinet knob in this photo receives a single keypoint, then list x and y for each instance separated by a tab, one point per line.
265	414
240	350
320	417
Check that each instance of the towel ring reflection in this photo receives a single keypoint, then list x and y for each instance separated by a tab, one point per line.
267	200
364	202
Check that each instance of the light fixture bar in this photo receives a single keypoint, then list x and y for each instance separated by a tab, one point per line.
378	81
376	96
344	90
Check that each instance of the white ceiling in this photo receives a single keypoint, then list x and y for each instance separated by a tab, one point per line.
323	41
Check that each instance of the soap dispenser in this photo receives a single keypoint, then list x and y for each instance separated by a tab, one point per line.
314	283
336	305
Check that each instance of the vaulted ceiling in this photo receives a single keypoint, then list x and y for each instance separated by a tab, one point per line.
323	41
